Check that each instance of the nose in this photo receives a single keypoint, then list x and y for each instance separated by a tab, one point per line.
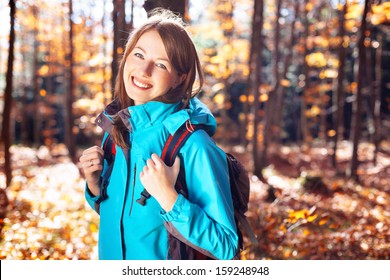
145	69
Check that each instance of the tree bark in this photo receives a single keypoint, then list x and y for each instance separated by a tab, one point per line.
280	92
105	85
6	127
269	116
120	37
303	123
69	134
356	122
257	29
340	88
250	83
37	98
177	6
377	106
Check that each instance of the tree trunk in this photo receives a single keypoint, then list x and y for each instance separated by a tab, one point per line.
69	135
377	106
257	25
369	98
104	85
303	123
5	133
228	33
176	6
269	116
339	124
250	83
23	104
356	122
280	93
37	98
120	37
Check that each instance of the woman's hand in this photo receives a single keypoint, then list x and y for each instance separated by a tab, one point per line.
159	180
91	162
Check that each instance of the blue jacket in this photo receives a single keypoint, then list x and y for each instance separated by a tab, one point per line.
206	220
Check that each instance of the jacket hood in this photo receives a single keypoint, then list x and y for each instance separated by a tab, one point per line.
197	113
144	114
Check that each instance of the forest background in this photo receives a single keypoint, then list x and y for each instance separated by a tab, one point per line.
300	90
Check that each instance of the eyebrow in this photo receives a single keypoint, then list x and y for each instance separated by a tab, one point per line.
159	58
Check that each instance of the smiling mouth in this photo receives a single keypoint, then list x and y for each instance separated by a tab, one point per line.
140	84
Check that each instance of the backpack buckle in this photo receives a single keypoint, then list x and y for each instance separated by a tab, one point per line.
144	196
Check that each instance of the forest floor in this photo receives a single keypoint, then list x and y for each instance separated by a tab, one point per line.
303	210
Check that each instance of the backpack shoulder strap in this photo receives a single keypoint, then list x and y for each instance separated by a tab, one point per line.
109	149
109	155
176	141
171	149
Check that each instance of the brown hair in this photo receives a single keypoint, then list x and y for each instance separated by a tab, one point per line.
181	53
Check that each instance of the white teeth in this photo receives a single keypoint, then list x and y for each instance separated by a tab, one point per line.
141	85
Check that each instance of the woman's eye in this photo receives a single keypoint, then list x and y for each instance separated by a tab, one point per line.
162	66
139	55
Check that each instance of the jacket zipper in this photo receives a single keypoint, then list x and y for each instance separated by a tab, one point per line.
133	188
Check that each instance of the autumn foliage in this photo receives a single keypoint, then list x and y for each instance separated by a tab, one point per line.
300	91
305	211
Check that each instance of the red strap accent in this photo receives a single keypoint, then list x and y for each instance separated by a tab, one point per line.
164	152
113	149
109	141
178	144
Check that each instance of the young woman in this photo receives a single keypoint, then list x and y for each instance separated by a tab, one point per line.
155	95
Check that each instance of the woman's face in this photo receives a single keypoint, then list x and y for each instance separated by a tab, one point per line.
148	73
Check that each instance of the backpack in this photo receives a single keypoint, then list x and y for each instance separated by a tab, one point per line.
239	187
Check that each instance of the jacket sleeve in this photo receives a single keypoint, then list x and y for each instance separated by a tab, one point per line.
206	220
92	199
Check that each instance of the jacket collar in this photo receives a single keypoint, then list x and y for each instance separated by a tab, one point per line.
153	112
143	116
147	115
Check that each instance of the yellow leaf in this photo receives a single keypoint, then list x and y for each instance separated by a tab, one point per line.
299	214
283	228
312	218
93	227
377	9
216	59
354	11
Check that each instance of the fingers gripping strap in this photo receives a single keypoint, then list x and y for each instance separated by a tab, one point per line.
171	148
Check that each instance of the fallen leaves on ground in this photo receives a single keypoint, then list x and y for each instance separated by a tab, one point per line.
313	213
335	218
47	216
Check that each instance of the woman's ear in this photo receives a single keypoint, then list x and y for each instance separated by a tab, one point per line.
179	80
